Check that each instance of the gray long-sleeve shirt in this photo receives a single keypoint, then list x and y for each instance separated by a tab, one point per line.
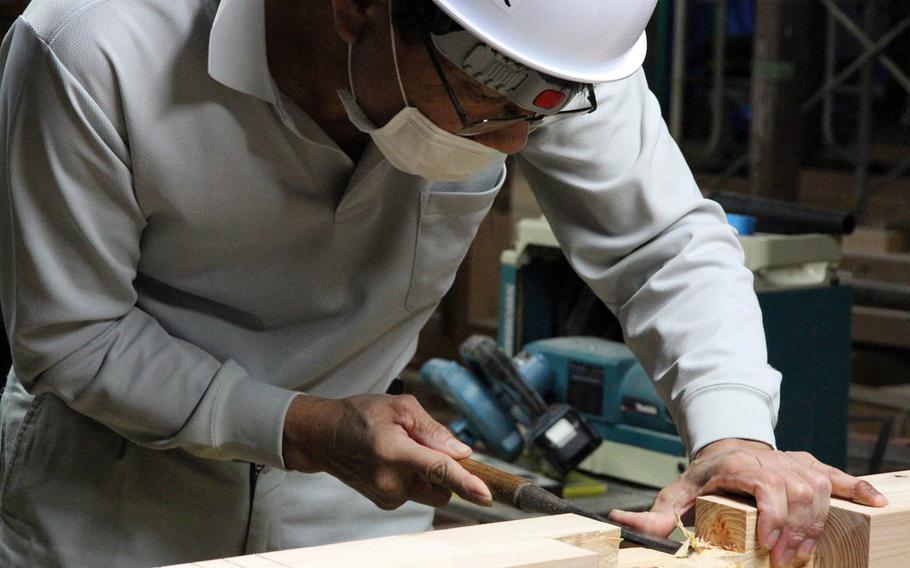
181	249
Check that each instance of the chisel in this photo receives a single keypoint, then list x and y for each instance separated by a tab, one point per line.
523	494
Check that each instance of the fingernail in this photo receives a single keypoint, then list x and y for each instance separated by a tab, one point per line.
618	514
864	493
772	539
458	447
806	549
483	498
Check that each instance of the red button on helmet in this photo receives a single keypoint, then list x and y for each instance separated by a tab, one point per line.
549	99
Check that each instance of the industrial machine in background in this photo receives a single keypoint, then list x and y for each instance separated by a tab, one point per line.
599	400
562	334
496	394
806	307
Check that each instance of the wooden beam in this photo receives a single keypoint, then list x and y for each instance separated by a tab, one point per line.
727	522
887	537
558	541
644	558
855	536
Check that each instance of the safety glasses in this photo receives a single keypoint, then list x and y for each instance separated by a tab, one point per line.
474	127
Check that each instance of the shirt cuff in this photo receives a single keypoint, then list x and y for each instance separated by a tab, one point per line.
251	423
728	411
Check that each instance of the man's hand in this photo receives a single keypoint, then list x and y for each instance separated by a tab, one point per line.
386	447
792	491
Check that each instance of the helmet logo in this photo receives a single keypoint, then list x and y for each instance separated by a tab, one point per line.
507	5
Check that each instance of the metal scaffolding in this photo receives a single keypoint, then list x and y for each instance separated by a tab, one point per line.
834	83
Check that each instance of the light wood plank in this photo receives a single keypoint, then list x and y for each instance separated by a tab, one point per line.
727	522
644	558
567	541
855	536
519	553
888	527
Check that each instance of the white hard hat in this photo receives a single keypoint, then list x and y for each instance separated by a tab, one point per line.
587	41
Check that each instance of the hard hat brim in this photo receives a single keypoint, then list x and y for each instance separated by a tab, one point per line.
614	70
560	66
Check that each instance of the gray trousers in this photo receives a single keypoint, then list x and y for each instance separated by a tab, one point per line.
75	493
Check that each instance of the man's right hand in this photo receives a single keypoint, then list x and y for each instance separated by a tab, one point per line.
386	447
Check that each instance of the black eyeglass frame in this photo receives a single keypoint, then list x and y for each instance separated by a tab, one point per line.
473	128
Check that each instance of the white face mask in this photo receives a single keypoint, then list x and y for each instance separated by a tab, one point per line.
413	144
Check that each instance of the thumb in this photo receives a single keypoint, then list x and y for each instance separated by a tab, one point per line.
657	522
654	523
426	431
443	471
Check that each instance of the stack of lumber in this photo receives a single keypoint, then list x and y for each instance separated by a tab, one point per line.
856	537
880	267
880	264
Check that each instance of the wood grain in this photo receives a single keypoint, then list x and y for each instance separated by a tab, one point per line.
568	541
503	486
727	522
644	558
855	536
888	534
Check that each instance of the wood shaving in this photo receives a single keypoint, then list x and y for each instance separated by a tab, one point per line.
692	541
683	551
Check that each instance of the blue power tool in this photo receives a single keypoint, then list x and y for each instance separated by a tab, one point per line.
574	390
495	392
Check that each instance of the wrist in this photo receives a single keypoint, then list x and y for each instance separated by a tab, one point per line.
732	444
307	425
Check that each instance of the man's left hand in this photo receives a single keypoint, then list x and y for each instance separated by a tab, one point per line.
792	491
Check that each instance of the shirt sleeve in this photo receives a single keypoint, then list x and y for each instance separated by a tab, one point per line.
632	222
70	234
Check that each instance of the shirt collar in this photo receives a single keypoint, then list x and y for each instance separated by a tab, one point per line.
237	49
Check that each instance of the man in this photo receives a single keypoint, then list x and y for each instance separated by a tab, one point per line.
224	225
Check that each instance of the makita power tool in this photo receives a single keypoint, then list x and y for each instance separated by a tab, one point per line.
568	398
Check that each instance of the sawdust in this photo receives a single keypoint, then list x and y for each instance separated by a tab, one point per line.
692	542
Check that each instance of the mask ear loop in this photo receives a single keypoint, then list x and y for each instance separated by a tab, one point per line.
404	97
350	72
395	56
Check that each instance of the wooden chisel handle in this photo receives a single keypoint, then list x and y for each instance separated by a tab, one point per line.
522	494
504	486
